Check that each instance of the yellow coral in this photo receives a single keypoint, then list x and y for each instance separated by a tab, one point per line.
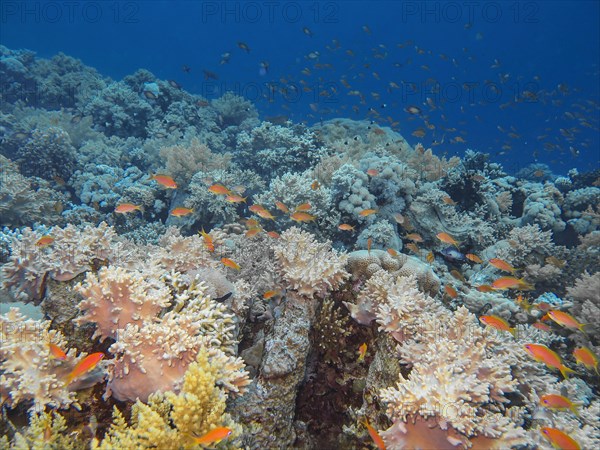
170	420
45	431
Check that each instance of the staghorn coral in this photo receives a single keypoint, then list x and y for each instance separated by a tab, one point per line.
309	267
170	419
295	188
29	372
119	110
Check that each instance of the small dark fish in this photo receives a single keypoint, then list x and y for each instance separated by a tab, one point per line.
223	298
210	75
186	69
484	309
411	109
244	46
307	31
150	95
453	255
76	119
174	84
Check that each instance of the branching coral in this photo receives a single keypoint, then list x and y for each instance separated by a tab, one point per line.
171	420
47	153
309	267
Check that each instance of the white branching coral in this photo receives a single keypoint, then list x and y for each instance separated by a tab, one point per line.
309	267
29	370
117	297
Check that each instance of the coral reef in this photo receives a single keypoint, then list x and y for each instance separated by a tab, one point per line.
171	420
309	267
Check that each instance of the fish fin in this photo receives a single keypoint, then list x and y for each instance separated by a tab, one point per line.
513	331
565	371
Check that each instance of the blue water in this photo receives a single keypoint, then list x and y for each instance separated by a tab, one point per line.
539	46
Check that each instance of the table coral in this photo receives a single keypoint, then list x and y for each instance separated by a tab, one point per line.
309	267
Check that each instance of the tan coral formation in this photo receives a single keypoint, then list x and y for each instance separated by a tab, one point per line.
30	371
71	253
309	267
171	420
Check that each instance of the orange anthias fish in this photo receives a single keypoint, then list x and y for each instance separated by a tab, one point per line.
281	207
230	263
44	240
57	352
471	257
566	320
502	265
498	323
213	436
253	232
447	239
542	326
208	241
430	257
300	216
84	366
235	198
181	212
450	291
377	439
303	207
345	227
559	402
125	208
584	355
485	288
164	180
362	351
511	283
543	354
269	294
219	189
392	252
262	212
273	234
559	439
367	212
372	172
414	237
